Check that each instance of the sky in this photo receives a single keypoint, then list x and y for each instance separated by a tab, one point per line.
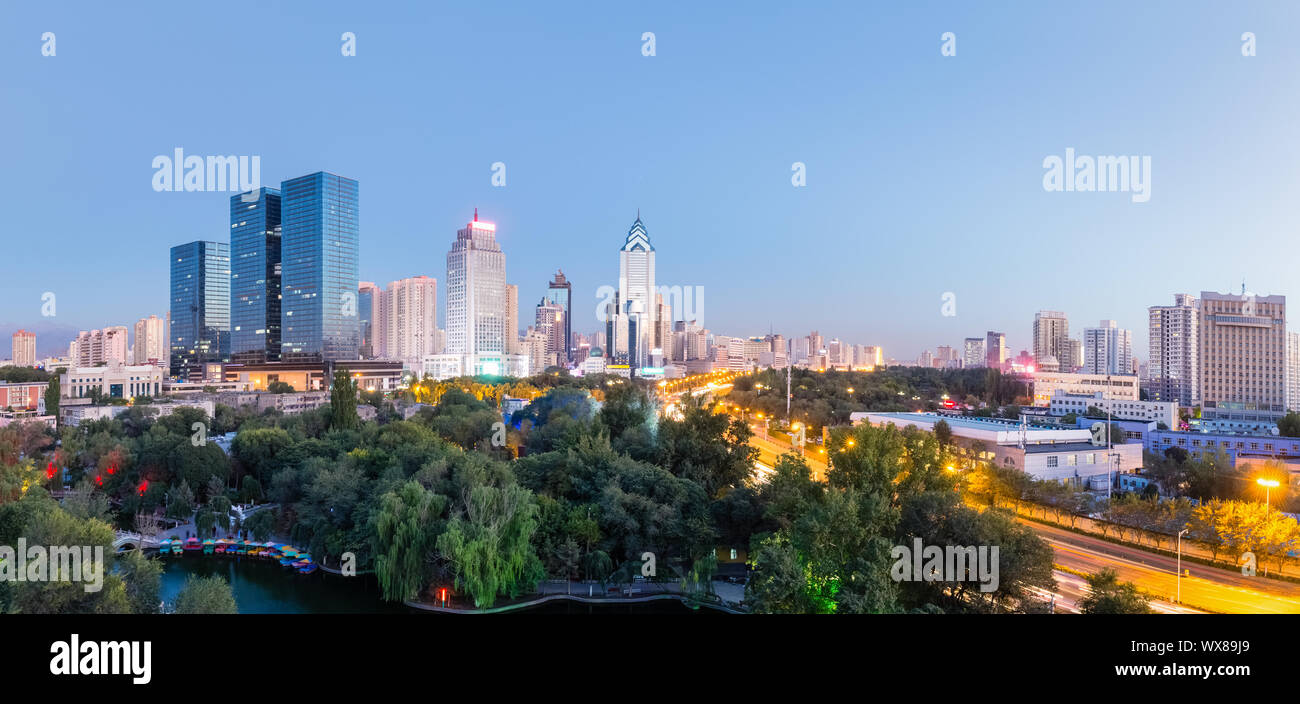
924	172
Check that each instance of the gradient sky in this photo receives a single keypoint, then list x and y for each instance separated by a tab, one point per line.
924	172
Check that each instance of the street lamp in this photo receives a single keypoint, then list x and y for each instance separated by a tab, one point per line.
1179	577
1268	484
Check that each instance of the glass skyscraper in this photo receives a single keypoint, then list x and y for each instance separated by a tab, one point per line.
560	292
255	276
200	307
319	265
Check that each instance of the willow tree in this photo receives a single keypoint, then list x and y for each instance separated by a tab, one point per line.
343	402
490	545
406	530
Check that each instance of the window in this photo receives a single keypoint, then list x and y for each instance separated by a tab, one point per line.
1052	460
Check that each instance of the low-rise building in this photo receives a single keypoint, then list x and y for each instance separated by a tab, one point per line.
1112	386
78	413
1064	403
1043	452
23	395
114	380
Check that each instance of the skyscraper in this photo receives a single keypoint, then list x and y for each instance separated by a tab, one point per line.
1051	330
550	321
995	349
200	307
476	291
1243	357
635	305
1173	371
369	299
319	253
560	292
24	349
1107	349
255	276
1293	371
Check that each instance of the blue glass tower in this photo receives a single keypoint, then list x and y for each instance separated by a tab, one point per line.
255	276
200	307
319	264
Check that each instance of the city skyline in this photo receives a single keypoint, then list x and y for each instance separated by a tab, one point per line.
860	198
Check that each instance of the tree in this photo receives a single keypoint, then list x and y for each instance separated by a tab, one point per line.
205	595
489	546
1289	425
143	578
52	396
280	387
1108	595
406	531
943	433
343	402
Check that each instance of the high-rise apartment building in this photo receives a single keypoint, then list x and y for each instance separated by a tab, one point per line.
409	311
150	345
255	276
1242	356
24	351
1051	330
1293	371
1173	372
319	280
512	319
200	307
1107	349
972	352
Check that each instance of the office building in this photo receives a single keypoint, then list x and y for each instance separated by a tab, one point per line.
1242	357
995	349
200	307
320	258
560	293
255	234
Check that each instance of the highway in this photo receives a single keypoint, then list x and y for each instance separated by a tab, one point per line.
1208	588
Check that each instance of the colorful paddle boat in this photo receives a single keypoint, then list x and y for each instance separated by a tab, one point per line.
164	547
193	545
208	546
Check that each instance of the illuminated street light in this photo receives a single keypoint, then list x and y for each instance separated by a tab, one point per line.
1268	484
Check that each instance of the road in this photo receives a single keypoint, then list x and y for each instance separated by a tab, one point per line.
770	450
1209	588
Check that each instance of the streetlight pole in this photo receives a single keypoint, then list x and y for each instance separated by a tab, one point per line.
1179	577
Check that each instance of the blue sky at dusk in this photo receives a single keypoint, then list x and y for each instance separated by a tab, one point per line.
924	173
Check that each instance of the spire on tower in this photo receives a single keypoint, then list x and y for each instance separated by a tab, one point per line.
475	214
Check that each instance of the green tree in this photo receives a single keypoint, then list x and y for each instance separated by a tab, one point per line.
343	402
407	526
205	595
143	578
489	545
52	396
1108	595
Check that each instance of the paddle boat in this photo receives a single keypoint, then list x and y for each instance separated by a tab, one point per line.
222	545
193	545
271	550
164	547
208	546
308	568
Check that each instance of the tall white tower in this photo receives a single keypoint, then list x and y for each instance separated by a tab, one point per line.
476	291
636	295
